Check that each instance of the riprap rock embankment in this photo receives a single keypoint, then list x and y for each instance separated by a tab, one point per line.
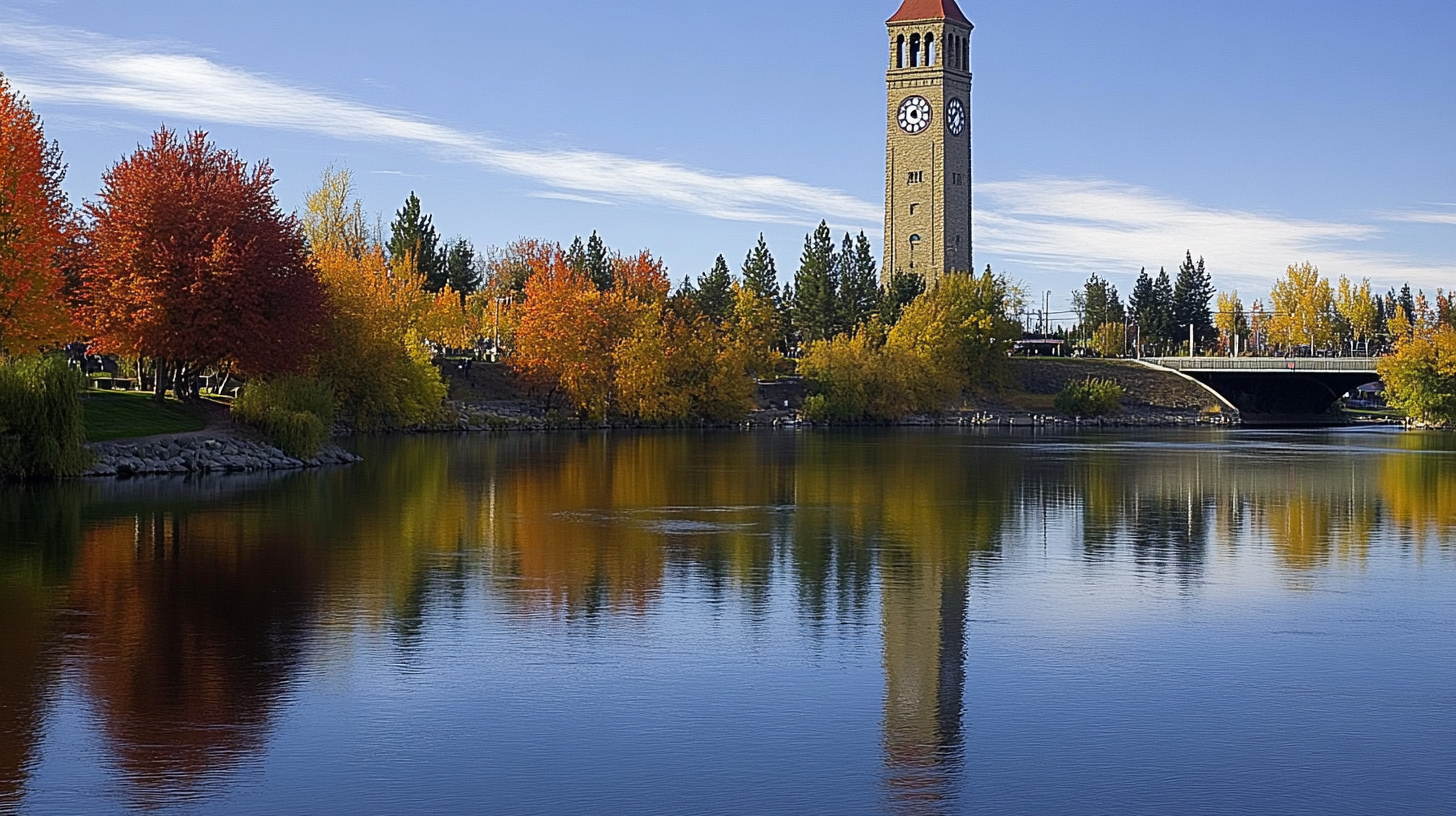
183	455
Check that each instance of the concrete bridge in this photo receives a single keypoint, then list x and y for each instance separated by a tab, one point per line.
1271	391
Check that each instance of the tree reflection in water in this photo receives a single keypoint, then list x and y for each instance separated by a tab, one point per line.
188	607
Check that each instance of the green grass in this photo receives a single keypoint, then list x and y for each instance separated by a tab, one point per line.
122	414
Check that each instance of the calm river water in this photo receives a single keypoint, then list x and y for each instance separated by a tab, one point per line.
914	622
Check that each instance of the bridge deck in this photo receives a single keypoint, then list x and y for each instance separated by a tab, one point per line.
1272	365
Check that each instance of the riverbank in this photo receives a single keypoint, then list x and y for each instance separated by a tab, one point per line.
488	397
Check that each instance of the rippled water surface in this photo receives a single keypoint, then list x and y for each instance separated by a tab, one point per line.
837	623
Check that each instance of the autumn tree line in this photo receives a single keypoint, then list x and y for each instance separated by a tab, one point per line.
1306	313
184	265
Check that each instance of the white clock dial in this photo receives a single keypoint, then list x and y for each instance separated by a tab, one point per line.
914	115
955	117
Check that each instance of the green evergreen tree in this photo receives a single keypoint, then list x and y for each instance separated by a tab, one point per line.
786	320
412	234
816	288
1407	303
898	292
462	269
760	274
715	292
598	263
1192	295
1097	304
859	290
1151	305
576	256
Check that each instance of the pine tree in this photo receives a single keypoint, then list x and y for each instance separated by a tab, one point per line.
898	292
859	292
1192	295
576	256
412	235
786	319
461	270
598	263
1097	304
760	274
715	292
1165	330
1151	305
816	290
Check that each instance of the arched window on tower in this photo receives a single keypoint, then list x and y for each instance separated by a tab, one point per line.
900	51
929	50
914	50
955	50
965	54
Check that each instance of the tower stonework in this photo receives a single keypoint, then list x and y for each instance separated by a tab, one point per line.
928	149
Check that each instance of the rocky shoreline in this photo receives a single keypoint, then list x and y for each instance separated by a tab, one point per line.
219	453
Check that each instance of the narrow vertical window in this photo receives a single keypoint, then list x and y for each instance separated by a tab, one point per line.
929	50
914	50
900	51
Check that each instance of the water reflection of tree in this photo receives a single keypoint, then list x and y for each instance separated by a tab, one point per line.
187	627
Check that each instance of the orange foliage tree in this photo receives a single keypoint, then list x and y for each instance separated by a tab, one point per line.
632	349
193	265
34	219
567	329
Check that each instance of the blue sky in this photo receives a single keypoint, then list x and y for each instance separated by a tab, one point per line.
1108	136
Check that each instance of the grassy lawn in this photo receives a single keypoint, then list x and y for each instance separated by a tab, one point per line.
121	414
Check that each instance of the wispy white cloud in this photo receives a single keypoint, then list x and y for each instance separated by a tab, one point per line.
1085	226
580	199
88	69
1447	218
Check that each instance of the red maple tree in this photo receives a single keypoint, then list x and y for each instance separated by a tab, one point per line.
193	265
34	218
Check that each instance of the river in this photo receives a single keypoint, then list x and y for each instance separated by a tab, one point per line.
935	621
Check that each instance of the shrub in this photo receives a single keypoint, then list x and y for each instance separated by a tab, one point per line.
1091	397
294	413
41	429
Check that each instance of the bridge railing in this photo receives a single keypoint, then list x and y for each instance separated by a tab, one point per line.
1349	364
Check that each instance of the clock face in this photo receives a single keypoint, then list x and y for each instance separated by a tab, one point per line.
955	117
914	115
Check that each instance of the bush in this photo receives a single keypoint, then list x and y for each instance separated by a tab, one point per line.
295	413
42	432
1089	398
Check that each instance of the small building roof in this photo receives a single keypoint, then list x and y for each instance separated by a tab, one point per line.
929	10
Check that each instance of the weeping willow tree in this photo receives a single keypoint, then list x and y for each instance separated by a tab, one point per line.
42	434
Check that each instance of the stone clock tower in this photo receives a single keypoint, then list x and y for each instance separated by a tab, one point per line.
928	153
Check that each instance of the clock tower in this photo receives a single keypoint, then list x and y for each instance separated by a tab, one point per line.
928	151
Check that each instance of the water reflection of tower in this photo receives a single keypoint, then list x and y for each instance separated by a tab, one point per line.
923	610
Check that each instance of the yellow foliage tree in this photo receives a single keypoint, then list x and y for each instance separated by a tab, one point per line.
381	318
1356	305
1420	374
1303	309
960	327
1110	339
1230	319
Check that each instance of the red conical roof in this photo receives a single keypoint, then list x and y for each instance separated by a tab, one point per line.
929	10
